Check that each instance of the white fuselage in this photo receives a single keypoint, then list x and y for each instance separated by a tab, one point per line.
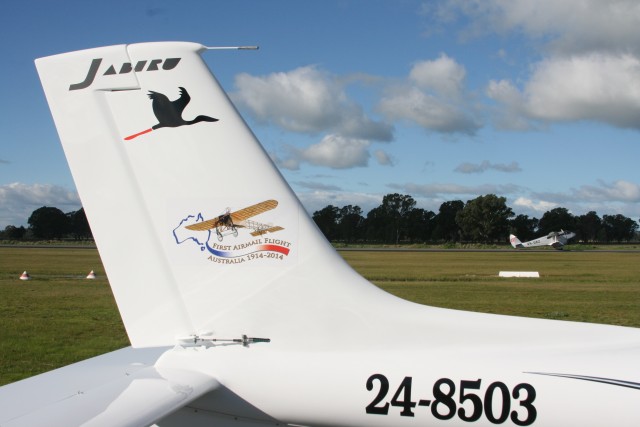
546	377
556	240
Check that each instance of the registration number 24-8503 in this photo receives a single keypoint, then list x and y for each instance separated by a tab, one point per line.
468	404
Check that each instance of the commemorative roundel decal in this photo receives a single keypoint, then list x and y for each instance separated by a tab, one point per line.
236	236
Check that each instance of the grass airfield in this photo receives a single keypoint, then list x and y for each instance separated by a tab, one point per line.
596	287
59	317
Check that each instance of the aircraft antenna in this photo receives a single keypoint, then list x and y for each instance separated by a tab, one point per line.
232	47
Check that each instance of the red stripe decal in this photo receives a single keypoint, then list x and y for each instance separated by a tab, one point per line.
130	137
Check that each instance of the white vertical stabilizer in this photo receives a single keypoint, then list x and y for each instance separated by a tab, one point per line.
197	230
515	242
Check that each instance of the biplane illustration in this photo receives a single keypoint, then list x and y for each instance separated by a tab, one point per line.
229	222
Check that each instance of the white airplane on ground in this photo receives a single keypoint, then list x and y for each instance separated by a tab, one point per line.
273	329
555	239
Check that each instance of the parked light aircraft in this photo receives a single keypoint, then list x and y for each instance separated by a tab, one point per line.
555	239
249	334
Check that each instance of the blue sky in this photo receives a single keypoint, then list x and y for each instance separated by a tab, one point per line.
536	101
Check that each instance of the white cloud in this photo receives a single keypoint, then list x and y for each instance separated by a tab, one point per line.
505	92
618	191
537	207
333	151
426	110
590	58
18	201
509	114
567	26
383	158
486	165
432	97
337	152
302	100
443	75
594	86
307	100
597	87
313	185
312	101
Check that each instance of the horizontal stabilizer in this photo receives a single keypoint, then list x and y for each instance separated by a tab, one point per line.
121	388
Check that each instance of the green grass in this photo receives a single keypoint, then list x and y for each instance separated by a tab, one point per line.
592	287
56	318
59	317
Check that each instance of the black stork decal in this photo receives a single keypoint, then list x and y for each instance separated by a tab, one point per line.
169	113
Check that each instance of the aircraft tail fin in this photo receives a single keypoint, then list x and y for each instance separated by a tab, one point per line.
155	146
515	242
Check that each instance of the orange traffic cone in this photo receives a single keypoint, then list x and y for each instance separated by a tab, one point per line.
91	275
25	276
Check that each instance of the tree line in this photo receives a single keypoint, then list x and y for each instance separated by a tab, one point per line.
485	219
49	223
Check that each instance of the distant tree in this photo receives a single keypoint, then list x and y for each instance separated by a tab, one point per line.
557	219
524	227
48	223
375	225
588	227
485	219
420	225
12	232
78	225
619	228
446	227
350	223
389	221
327	221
